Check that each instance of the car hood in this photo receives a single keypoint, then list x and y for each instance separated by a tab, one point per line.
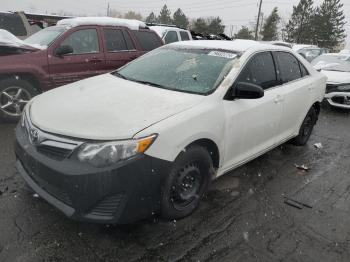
106	108
337	77
10	42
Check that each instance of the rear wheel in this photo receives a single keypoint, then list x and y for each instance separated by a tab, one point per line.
306	128
14	95
187	183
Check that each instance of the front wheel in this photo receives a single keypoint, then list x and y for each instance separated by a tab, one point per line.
306	128
187	183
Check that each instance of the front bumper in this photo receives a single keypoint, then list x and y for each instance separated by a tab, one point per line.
339	99
124	193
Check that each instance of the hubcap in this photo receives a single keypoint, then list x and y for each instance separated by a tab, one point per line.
186	186
13	99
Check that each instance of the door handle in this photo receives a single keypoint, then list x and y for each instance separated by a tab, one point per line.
278	99
95	60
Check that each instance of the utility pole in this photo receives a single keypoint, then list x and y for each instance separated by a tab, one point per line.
108	9
257	23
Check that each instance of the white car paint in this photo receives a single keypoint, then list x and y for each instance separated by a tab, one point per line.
162	31
105	108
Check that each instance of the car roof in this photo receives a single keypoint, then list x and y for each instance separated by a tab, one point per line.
160	30
238	45
132	24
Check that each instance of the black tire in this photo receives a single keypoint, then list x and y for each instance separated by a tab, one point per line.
187	183
306	128
9	88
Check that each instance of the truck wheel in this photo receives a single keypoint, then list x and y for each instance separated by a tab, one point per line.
187	183
306	128
14	95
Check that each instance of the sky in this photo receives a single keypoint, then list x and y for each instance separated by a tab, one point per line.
234	13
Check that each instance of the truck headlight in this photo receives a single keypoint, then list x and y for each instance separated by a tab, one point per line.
344	87
108	153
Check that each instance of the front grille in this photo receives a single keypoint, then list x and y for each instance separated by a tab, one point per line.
57	153
107	207
338	99
51	189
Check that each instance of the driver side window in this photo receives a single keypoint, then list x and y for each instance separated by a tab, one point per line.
260	70
83	41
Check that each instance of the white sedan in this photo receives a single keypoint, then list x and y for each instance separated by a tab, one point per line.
149	137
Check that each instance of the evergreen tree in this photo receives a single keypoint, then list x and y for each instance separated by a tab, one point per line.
329	23
300	26
200	26
270	30
215	26
180	19
165	16
244	33
151	18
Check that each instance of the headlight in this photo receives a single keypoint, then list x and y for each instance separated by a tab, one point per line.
106	154
344	87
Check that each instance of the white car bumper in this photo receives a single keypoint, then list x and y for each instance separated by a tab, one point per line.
339	99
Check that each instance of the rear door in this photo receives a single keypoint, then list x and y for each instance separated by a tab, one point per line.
119	47
252	124
86	60
297	92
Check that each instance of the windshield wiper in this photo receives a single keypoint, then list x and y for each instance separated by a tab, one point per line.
147	83
116	73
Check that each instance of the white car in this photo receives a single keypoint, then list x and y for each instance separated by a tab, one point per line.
149	137
171	34
337	69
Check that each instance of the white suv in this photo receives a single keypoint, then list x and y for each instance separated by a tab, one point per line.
171	34
149	137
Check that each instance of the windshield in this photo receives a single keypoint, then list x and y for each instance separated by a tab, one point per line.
46	36
197	71
332	63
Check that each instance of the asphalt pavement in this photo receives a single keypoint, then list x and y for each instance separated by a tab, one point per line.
245	216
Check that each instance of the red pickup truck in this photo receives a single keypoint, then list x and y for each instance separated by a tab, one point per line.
72	50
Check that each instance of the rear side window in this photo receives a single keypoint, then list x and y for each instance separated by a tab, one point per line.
116	40
289	68
171	37
147	40
12	23
84	41
260	70
184	36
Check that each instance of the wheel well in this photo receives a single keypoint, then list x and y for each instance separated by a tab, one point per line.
212	149
24	76
317	107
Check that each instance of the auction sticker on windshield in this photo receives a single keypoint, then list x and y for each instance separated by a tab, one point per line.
222	54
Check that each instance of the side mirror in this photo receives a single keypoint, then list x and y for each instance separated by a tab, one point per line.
63	50
246	90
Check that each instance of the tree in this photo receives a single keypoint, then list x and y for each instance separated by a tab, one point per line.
209	25
133	15
328	24
244	33
215	26
270	30
199	25
165	16
300	26
151	18
180	19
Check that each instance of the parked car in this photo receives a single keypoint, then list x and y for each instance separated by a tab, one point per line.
171	34
337	69
75	49
310	52
16	23
163	126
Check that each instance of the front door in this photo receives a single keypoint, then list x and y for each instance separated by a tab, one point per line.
86	60
252	125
